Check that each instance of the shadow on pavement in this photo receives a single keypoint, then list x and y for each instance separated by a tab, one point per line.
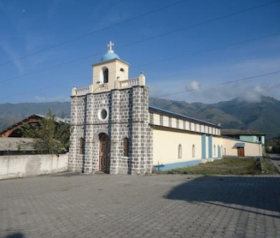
259	195
15	235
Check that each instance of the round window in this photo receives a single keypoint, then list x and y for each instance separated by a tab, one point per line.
103	114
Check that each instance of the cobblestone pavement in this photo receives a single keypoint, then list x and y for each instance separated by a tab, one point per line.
140	206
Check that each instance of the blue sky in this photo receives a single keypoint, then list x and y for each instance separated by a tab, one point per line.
195	60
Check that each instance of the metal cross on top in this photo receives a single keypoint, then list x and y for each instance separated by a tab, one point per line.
110	45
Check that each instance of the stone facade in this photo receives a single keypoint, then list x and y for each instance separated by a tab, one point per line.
128	117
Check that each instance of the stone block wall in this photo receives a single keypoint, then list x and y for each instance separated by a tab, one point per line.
128	117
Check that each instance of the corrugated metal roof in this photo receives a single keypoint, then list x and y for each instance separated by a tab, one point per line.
240	144
182	116
236	132
57	119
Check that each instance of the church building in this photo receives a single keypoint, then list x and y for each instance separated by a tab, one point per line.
114	130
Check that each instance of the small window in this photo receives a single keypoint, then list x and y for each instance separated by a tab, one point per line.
125	147
106	75
180	151
170	122
82	145
177	123
122	70
193	151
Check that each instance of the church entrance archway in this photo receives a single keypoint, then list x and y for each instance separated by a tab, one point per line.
104	153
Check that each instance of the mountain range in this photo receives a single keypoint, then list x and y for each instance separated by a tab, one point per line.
263	115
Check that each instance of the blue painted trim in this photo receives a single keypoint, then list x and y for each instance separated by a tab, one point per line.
210	146
203	143
177	165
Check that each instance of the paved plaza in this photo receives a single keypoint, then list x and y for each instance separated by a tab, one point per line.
71	205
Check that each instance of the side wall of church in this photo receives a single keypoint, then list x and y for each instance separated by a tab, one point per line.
166	145
174	148
128	117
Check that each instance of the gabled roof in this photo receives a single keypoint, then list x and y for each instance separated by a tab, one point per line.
237	132
180	116
30	119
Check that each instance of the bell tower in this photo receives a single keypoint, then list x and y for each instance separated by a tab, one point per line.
109	71
110	121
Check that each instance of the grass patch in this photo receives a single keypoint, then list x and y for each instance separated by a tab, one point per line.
227	166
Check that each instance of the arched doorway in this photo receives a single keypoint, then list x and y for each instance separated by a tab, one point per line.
104	153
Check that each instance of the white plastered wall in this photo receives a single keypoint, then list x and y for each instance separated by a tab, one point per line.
217	141
115	74
165	146
156	119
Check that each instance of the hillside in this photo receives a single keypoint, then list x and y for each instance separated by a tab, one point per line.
263	116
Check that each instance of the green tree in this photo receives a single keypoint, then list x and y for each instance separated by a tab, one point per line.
52	137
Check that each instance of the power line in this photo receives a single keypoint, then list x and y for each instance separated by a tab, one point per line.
212	49
210	20
150	38
228	82
180	92
95	31
148	63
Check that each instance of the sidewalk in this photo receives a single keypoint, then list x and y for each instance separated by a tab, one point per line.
275	158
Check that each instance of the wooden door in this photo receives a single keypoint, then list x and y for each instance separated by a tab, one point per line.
104	153
240	151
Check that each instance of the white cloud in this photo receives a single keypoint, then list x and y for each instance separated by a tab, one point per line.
258	89
214	82
193	86
250	96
